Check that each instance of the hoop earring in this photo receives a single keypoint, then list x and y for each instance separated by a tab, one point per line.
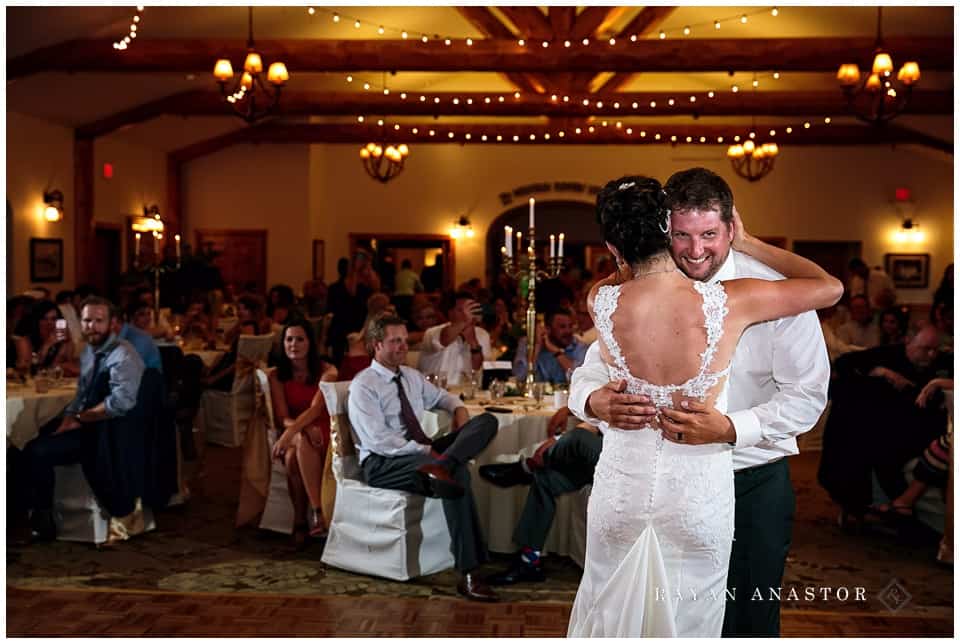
665	229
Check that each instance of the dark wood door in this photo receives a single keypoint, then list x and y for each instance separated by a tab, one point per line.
240	255
105	270
833	256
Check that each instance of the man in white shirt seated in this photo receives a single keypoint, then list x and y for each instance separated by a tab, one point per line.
386	405
461	345
861	329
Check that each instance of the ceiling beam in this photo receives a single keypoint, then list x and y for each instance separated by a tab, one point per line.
275	133
588	21
529	21
650	55
562	19
487	23
643	24
617	106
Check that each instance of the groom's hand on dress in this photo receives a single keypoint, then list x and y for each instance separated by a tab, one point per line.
622	410
698	423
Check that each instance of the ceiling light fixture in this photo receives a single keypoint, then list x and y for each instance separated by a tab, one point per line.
878	98
251	97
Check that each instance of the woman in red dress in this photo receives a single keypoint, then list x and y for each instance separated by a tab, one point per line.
301	416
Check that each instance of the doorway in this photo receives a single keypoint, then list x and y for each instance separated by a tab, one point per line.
105	271
430	256
832	256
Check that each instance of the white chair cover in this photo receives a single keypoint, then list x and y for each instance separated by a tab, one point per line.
224	416
386	533
278	511
76	512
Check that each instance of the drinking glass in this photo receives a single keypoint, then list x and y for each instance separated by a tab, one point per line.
538	390
466	381
41	382
442	381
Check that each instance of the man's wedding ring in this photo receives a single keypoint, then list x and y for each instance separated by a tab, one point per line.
679	436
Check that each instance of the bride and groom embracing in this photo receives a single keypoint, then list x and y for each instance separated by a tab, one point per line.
709	365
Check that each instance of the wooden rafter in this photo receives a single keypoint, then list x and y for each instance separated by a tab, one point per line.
643	24
490	26
588	21
616	106
561	20
529	21
650	55
431	132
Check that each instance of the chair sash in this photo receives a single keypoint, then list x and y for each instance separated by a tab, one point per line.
255	478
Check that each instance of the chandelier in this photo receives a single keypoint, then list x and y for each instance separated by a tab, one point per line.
751	161
251	97
885	97
383	162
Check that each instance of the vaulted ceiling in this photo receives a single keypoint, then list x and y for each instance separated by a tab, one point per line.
639	79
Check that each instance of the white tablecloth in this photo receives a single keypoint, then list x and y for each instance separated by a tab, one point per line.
500	508
28	411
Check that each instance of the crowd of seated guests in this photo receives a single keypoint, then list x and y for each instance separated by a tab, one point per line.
888	406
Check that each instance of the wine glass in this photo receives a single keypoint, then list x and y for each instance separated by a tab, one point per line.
538	390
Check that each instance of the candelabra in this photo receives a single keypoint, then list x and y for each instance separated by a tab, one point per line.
516	269
157	266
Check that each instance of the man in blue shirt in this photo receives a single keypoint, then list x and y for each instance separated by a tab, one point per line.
141	340
558	350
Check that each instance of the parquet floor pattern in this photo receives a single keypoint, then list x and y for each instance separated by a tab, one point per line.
92	613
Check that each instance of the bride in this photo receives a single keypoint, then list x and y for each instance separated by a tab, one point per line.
660	517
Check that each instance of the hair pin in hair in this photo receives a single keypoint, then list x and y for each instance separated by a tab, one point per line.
626	184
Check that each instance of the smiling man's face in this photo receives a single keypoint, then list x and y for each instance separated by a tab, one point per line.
699	242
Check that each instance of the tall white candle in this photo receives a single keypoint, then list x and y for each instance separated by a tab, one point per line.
561	245
553	246
177	239
508	240
519	242
532	201
136	247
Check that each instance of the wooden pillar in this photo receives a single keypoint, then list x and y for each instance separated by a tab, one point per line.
83	208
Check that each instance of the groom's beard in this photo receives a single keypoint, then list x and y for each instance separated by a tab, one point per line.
702	268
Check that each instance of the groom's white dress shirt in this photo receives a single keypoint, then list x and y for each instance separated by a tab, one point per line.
778	378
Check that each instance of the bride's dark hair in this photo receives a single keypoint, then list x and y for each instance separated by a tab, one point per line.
632	212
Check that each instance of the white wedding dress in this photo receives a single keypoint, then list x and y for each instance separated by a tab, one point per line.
660	517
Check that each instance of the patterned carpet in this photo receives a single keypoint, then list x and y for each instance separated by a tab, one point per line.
196	549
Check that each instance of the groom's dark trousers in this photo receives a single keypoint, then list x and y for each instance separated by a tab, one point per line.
762	533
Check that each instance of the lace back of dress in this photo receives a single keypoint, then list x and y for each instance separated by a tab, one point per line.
714	311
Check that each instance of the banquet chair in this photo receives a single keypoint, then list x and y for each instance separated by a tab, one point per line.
278	510
224	415
374	531
80	517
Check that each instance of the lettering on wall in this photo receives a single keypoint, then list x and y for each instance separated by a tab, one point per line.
522	192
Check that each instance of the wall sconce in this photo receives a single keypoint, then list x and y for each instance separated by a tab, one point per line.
150	222
909	230
53	200
461	228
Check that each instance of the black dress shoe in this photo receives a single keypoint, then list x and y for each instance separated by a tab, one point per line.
518	572
506	474
42	526
439	482
473	589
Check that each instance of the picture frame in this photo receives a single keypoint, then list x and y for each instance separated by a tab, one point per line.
318	259
46	260
908	270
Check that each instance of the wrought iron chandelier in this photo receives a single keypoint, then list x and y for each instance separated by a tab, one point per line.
382	161
750	160
878	98
252	98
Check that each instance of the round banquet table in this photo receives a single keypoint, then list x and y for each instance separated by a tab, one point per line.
28	411
500	508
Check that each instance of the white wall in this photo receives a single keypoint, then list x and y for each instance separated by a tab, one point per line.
39	156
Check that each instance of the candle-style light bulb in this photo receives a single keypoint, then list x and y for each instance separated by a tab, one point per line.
560	249
508	240
553	246
532	202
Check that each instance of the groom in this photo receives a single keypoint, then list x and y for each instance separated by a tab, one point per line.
777	391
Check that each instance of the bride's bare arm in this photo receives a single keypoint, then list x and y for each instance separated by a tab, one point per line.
807	287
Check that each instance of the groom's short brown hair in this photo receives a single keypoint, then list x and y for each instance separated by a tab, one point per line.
699	189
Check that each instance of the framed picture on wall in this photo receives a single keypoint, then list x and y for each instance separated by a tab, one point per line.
908	271
318	259
46	260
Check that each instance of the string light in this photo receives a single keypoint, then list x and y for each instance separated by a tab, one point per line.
124	42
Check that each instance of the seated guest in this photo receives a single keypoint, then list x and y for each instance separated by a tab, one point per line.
65	303
558	349
358	355
586	331
220	375
197	327
250	308
93	427
314	300
871	282
386	404
160	326
138	339
875	425
424	316
861	329
303	425
499	326
42	344
19	309
559	466
893	325
835	346
458	346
